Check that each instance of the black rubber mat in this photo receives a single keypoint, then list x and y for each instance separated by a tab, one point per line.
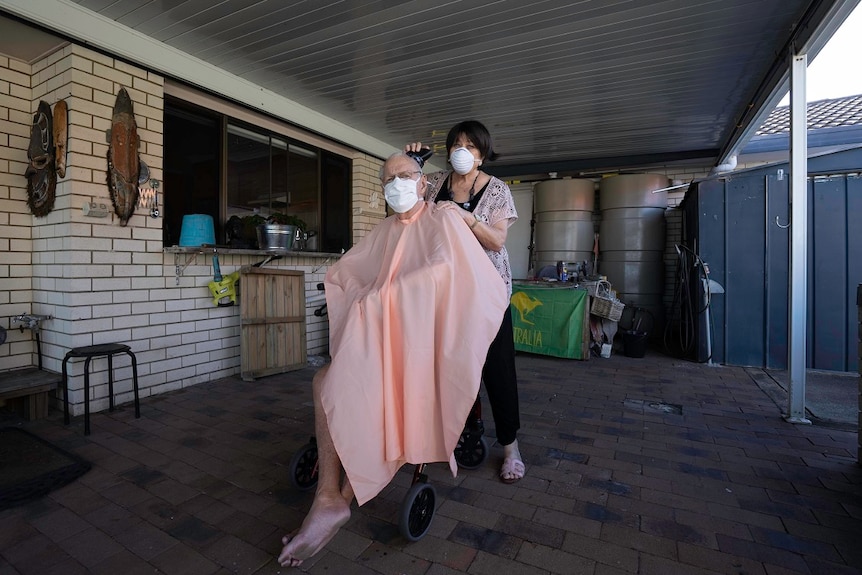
31	467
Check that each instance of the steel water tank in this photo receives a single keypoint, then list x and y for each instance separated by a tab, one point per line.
632	240
564	221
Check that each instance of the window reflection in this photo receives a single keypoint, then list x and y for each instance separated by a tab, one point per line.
263	173
267	174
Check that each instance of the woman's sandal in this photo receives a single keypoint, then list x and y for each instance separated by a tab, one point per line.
514	468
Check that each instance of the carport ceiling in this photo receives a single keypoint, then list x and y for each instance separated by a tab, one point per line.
564	86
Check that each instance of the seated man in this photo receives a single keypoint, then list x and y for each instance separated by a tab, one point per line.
413	308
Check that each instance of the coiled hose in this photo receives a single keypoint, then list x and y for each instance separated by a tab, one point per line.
681	327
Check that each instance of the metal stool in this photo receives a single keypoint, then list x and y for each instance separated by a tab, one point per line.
108	350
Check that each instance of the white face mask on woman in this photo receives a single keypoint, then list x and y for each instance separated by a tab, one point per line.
462	160
401	194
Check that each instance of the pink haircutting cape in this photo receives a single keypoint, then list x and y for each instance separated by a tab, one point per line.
413	308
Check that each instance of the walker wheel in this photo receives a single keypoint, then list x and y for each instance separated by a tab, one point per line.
303	467
417	511
471	451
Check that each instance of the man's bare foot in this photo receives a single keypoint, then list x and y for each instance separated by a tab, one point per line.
324	519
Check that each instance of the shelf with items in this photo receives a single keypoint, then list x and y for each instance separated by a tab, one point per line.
186	256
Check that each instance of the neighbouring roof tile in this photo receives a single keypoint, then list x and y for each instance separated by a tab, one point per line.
846	111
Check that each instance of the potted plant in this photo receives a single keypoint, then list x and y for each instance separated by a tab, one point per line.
286	220
278	232
242	231
249	229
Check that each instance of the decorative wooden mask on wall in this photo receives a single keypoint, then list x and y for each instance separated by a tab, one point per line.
61	136
41	174
124	166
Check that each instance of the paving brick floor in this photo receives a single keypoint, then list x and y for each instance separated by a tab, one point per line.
651	465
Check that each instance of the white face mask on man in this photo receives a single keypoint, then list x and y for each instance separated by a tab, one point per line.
401	194
462	160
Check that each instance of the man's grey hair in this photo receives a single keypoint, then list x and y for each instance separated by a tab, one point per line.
397	155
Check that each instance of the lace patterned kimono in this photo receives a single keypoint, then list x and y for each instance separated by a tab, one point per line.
494	203
413	308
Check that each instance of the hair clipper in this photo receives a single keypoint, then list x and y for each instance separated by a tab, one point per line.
421	156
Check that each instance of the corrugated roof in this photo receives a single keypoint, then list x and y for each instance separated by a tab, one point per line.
831	113
563	86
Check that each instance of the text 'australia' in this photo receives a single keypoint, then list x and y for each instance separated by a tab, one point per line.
531	337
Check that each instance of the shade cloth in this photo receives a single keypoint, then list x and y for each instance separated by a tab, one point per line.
413	308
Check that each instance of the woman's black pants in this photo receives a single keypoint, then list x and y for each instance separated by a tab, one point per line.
501	382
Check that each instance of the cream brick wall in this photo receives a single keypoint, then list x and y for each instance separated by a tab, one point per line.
16	263
103	282
81	265
369	207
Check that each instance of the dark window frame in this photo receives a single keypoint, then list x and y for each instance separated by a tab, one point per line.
331	218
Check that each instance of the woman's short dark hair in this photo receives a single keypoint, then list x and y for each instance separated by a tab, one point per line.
477	133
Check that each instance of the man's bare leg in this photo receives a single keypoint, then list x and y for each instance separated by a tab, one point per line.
331	507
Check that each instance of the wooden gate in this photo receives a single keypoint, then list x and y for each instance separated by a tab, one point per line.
272	321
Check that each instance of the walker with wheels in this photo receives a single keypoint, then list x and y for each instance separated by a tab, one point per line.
417	509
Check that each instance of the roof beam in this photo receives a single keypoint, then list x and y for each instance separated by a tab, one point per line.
588	164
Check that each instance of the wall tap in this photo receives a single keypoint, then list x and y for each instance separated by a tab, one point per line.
29	321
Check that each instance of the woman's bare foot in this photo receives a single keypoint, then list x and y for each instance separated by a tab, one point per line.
323	521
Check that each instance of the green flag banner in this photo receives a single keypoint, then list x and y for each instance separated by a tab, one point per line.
550	320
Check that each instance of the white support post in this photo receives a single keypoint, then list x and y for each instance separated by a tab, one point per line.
798	277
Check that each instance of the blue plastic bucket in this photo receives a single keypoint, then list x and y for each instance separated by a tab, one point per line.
197	230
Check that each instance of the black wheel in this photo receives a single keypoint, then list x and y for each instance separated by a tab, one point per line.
303	467
471	451
417	511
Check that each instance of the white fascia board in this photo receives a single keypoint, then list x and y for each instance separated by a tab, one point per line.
92	29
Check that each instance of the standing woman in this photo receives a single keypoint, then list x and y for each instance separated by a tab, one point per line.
485	203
